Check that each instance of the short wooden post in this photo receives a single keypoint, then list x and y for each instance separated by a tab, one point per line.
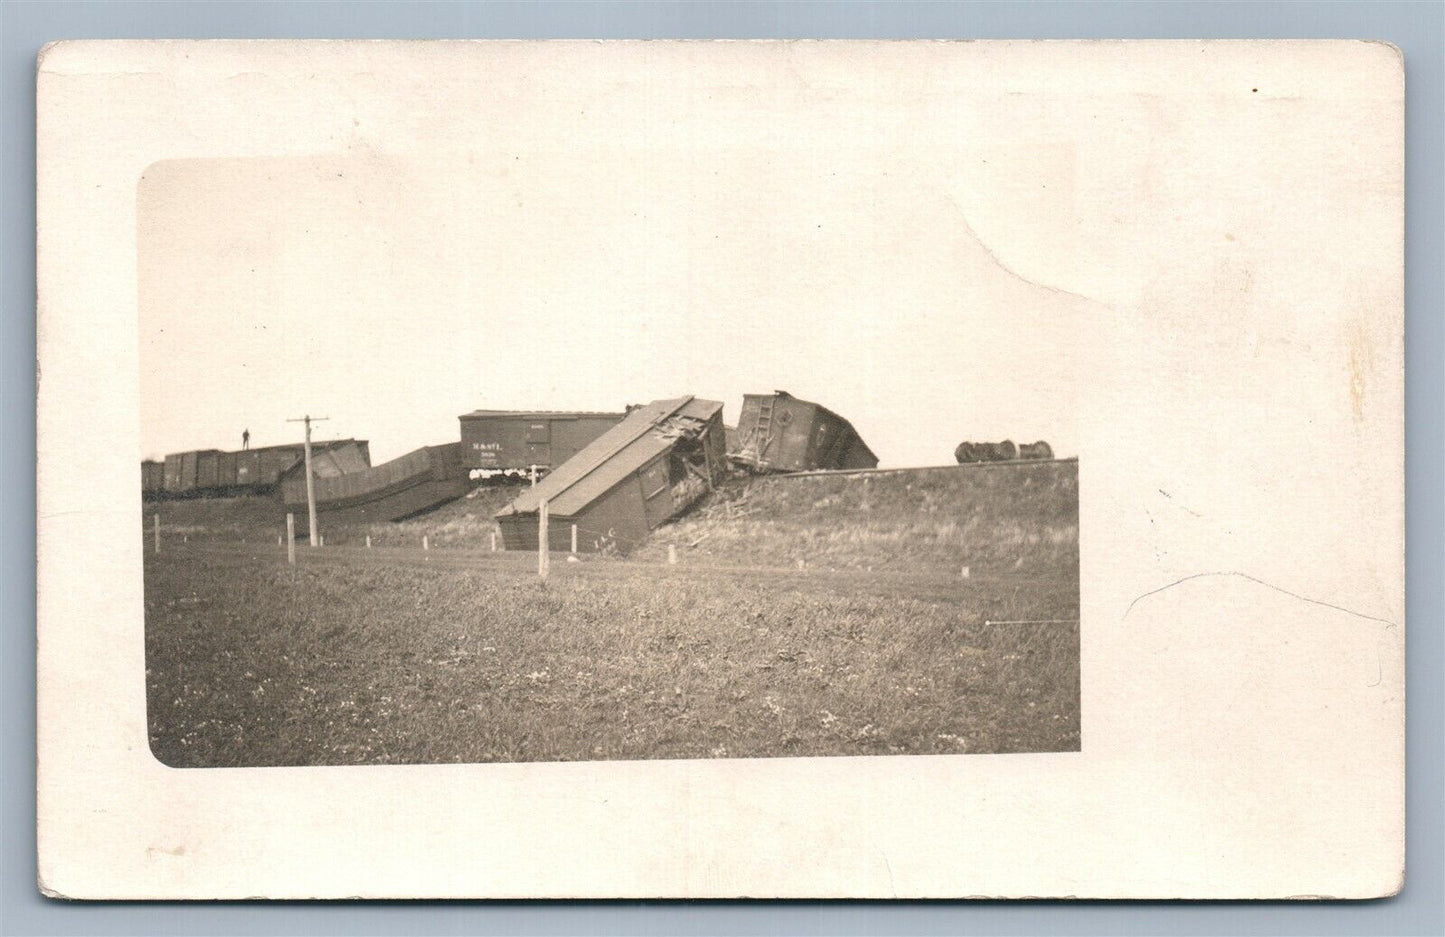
279	539
494	541
672	553
290	537
321	540
157	525
964	572
543	556
368	541
424	544
574	538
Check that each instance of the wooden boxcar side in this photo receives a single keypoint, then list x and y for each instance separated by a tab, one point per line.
515	441
171	477
188	471
208	464
152	478
226	466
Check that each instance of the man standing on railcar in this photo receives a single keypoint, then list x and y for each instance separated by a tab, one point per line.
245	439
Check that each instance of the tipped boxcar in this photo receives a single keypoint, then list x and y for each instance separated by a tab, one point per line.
778	432
518	440
646	470
420	480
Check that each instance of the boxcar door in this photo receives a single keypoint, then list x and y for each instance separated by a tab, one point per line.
539	443
656	487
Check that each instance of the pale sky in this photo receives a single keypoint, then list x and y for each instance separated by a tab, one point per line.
393	291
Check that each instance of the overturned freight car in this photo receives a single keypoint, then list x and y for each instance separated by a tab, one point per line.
520	440
777	432
418	481
644	471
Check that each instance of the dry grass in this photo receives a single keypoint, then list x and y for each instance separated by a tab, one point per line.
393	655
371	661
1014	517
466	522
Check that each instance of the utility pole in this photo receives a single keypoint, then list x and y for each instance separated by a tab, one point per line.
310	487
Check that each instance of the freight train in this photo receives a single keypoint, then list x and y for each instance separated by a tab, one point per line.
211	473
776	433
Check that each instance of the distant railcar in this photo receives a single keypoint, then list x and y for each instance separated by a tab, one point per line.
152	479
1005	451
778	432
183	471
968	452
518	440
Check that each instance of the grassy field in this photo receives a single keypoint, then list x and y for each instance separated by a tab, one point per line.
1022	516
458	654
464	522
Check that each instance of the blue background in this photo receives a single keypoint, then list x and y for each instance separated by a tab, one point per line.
1417	28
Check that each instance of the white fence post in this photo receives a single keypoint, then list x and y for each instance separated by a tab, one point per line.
368	541
543	556
425	545
494	541
672	553
574	538
290	537
157	519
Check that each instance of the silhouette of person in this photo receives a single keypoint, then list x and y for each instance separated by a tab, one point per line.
245	439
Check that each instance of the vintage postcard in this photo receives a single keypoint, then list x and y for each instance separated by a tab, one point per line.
721	469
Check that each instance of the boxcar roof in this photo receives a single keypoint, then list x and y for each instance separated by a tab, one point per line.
536	414
611	457
316	444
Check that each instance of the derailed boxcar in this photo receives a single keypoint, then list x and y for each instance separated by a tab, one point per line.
644	471
777	432
415	482
517	440
329	460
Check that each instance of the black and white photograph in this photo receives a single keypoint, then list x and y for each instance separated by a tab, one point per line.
533	451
